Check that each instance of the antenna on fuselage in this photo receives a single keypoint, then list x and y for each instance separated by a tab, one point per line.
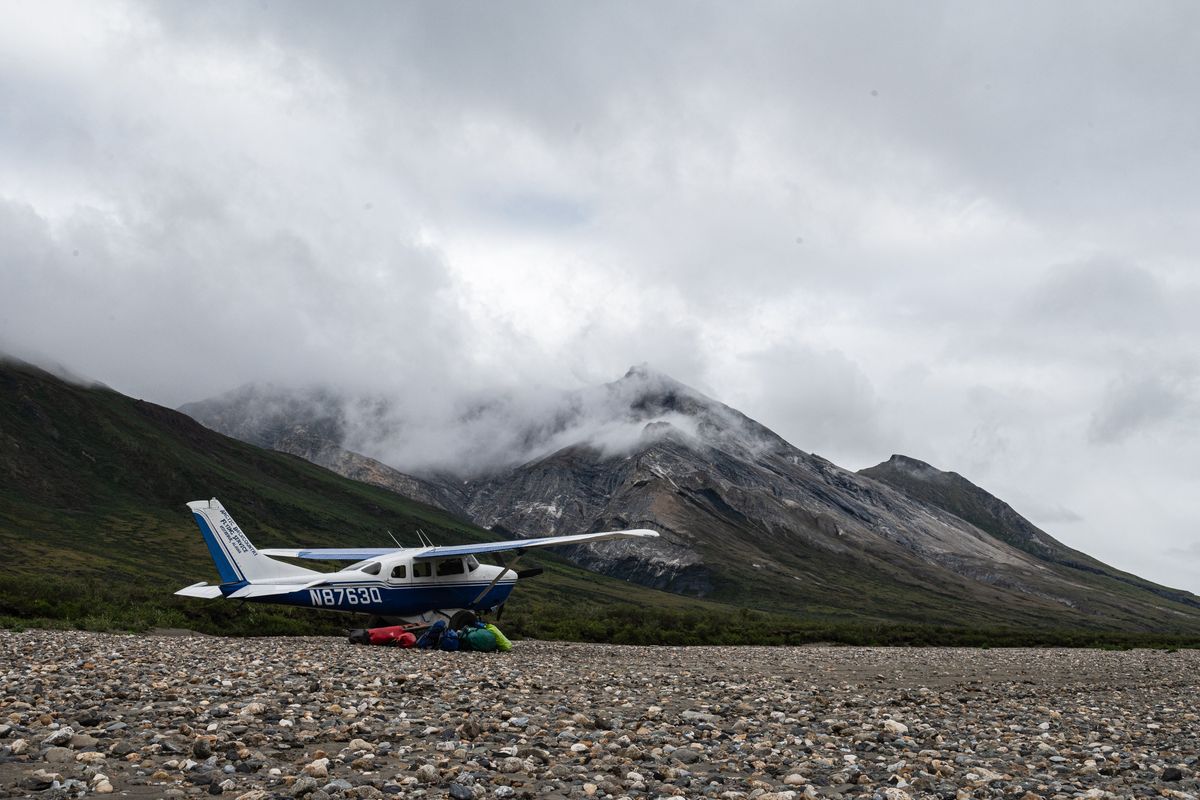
424	538
389	533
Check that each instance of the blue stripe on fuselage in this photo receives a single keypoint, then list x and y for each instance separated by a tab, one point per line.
225	567
395	600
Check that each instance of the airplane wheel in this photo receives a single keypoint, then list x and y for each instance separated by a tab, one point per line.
463	619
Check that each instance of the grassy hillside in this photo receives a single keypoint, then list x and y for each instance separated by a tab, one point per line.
95	535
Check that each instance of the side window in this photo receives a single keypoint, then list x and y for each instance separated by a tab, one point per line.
372	569
472	563
400	571
451	566
422	569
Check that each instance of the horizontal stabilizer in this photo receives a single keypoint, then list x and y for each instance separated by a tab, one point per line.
265	590
329	554
200	589
523	544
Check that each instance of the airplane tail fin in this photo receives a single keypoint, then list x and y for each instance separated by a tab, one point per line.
236	558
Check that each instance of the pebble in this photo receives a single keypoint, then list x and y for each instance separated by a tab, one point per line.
180	717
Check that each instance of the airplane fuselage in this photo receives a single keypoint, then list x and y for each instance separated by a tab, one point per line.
386	599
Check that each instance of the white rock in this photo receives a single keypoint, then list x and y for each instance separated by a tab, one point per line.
59	737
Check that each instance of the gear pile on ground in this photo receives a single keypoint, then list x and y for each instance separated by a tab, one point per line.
473	636
84	714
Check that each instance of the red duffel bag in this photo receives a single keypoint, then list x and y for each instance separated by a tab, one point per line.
394	635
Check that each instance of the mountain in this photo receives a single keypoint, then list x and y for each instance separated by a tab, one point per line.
954	493
748	518
95	532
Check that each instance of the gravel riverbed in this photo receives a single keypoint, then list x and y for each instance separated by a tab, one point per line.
184	716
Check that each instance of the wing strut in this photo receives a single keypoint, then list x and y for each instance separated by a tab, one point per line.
507	569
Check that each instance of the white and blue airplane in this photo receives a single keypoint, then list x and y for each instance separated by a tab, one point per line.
412	584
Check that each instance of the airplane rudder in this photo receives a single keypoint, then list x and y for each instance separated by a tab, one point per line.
217	547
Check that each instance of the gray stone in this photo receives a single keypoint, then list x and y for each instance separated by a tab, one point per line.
304	786
59	755
686	755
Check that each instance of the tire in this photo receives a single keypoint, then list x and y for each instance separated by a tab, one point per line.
463	619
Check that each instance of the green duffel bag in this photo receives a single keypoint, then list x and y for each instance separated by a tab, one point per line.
501	640
482	640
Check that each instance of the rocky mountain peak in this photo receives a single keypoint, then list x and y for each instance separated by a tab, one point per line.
914	468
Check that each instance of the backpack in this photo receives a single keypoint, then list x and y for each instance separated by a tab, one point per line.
430	638
449	640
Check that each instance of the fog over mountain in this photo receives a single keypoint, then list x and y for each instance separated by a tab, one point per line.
960	232
472	435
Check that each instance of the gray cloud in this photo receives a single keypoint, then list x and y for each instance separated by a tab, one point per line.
960	231
1143	400
1191	551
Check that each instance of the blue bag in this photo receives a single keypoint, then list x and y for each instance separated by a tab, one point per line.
430	638
449	640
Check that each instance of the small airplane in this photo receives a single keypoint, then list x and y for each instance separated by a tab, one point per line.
413	584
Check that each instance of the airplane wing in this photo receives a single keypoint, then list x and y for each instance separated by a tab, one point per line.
523	544
362	553
330	554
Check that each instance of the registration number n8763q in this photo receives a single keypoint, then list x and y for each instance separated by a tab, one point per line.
353	595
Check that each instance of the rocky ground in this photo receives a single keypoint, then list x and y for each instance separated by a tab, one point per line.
156	716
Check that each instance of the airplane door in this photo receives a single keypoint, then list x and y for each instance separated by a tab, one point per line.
400	574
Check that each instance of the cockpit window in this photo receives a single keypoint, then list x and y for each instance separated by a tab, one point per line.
422	569
399	571
372	569
451	566
472	563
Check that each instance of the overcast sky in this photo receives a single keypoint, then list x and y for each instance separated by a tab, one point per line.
966	232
